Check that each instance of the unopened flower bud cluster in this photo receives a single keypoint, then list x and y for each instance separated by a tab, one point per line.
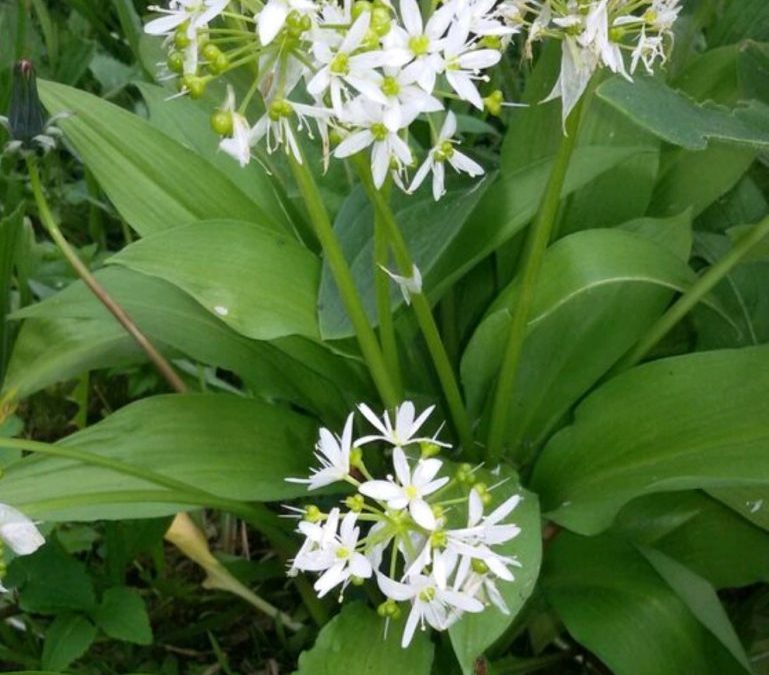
396	531
362	72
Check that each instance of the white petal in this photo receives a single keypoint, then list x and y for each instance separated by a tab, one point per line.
380	163
165	24
18	531
356	33
464	164
479	59
382	490
462	601
449	127
411	626
504	509
422	514
354	143
394	589
461	83
474	508
271	20
401	466
411	16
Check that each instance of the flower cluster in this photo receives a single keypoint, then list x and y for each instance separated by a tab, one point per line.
363	72
616	34
428	541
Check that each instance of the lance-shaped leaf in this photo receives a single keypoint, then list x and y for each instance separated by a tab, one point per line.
154	182
695	421
225	445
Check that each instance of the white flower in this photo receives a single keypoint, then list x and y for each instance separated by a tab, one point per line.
375	129
444	151
648	49
402	98
238	145
403	432
273	16
577	67
424	42
333	453
275	125
596	38
337	557
18	531
463	63
430	603
409	285
199	13
342	66
410	489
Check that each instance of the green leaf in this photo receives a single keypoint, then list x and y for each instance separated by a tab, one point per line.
698	595
262	284
123	616
752	503
600	290
50	581
154	182
474	633
696	530
428	228
739	21
677	119
510	203
10	230
226	445
614	603
695	421
354	642
188	122
292	368
67	639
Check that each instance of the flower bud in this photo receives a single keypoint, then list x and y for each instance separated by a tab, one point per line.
175	62
359	7
221	122
313	514
181	39
429	449
26	118
196	86
493	103
210	52
355	503
464	474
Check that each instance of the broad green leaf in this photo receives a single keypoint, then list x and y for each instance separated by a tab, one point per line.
262	284
121	614
54	350
753	70
694	421
599	291
291	369
752	503
701	599
229	446
354	642
428	227
510	203
154	182
614	603
67	639
710	539
188	122
679	120
474	633
747	19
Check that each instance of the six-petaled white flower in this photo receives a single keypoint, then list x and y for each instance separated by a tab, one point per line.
333	453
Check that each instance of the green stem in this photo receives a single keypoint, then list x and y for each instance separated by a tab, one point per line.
423	312
157	359
536	244
384	306
353	304
259	516
693	296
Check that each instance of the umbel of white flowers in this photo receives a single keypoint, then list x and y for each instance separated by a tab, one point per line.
408	546
364	72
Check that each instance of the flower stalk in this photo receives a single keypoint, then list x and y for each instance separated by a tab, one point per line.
539	235
367	340
156	358
423	312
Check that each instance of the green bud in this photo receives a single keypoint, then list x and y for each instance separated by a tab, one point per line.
429	449
221	122
313	514
210	52
479	567
437	510
181	39
381	21
491	42
355	503
370	39
196	86
357	581
464	474
617	33
279	108
356	457
175	62
221	64
493	102
359	7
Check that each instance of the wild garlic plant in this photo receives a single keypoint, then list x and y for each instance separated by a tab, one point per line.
361	73
428	542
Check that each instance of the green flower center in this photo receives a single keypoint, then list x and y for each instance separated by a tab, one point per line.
340	64
390	86
443	152
427	594
379	131
419	45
